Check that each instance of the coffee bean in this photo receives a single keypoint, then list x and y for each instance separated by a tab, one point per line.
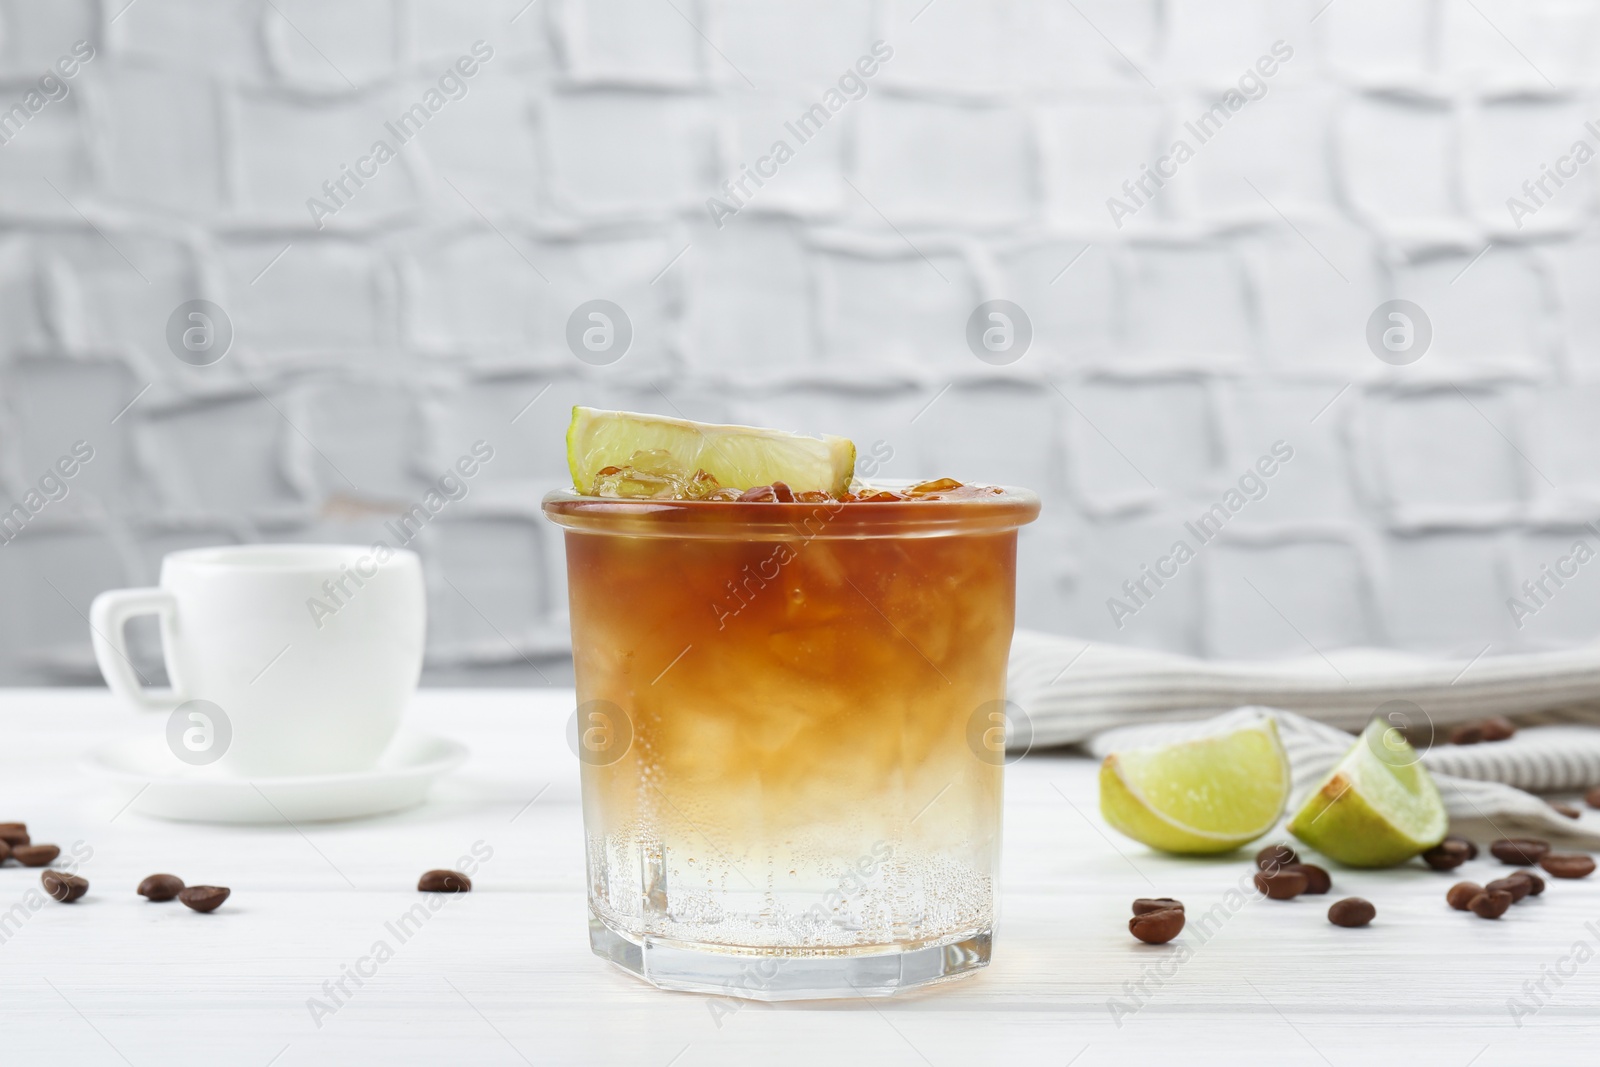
1448	854
159	887
14	833
62	886
1497	728
1535	883
1285	884
1276	856
35	855
1567	864
1566	809
444	882
1469	734
1461	894
1157	927
1351	911
1517	887
1145	905
1592	797
1519	851
203	897
1317	880
1490	905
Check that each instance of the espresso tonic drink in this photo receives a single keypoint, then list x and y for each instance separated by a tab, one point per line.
790	726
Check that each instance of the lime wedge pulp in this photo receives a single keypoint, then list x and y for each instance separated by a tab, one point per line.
1207	795
738	457
1377	807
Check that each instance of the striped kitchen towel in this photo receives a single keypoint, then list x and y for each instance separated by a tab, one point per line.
1073	689
1484	786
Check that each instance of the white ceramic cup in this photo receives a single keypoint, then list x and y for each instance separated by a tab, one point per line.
311	653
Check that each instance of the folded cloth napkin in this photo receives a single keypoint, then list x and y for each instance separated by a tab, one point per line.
1073	689
1108	697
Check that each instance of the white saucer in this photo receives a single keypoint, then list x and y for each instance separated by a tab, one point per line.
142	772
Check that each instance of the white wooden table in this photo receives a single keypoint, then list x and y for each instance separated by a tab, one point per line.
504	975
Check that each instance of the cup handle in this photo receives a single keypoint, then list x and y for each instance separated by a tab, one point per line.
107	617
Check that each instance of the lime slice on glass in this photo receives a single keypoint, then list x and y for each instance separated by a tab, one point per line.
1377	807
738	457
1211	794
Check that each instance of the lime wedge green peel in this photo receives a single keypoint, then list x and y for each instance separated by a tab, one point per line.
738	457
1377	807
1208	795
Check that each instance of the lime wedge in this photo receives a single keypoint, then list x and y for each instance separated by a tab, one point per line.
738	457
1211	794
1377	808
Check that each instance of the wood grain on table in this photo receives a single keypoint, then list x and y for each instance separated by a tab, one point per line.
504	975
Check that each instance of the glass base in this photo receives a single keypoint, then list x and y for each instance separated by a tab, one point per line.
757	975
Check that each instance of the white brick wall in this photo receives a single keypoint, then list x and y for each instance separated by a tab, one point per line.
1228	313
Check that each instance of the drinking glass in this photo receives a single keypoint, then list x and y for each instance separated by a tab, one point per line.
791	727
